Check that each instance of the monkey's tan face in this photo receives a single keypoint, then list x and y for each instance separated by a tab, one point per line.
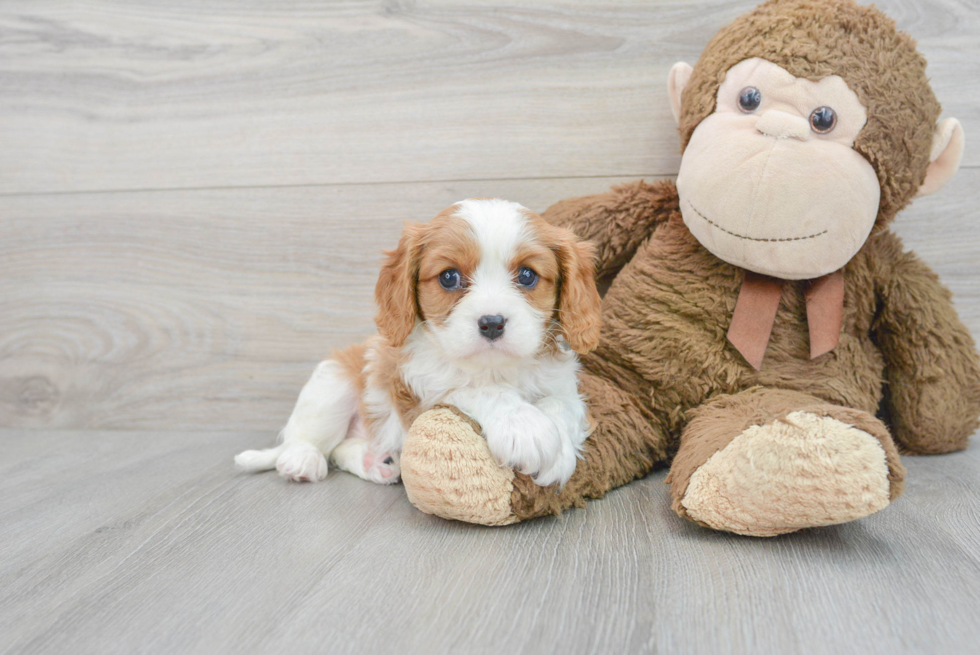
770	181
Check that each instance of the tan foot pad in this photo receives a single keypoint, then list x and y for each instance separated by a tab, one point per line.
800	472
448	471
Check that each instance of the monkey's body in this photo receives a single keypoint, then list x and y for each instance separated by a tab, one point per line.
795	441
672	355
683	328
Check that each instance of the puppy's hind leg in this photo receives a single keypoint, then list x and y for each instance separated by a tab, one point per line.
319	421
356	455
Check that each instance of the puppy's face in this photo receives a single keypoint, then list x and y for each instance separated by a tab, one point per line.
491	281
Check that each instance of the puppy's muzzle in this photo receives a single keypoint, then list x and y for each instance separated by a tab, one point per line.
491	327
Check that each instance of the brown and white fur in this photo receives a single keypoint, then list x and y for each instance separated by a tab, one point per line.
435	347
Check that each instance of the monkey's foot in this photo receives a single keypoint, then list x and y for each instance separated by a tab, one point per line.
448	471
801	470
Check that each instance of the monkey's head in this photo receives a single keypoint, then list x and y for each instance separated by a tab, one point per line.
805	125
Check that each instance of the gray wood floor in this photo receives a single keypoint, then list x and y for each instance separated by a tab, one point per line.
193	198
133	541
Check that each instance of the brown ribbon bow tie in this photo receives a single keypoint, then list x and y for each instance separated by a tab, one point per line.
755	313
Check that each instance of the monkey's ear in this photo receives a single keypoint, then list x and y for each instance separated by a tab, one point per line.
679	75
944	159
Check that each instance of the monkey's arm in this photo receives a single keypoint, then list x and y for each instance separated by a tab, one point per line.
932	371
617	221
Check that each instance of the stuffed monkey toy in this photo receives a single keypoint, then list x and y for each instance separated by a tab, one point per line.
764	332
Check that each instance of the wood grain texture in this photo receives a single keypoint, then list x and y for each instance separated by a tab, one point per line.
193	200
102	95
209	309
123	542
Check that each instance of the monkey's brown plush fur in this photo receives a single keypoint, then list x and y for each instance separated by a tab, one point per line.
666	386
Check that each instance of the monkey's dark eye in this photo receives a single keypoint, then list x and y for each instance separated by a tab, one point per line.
823	120
749	99
526	277
450	279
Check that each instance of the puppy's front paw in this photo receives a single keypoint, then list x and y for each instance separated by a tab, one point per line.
561	470
302	462
524	439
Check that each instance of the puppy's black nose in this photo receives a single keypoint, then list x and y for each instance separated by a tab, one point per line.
492	326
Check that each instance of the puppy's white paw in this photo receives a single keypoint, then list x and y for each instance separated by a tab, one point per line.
382	469
562	469
354	455
524	439
302	462
573	428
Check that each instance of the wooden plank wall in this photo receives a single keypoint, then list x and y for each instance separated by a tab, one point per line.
194	194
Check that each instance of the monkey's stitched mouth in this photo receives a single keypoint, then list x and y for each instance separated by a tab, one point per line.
748	238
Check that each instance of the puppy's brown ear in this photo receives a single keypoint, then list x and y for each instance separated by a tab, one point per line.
578	299
395	292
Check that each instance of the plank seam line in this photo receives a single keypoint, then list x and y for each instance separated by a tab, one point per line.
313	185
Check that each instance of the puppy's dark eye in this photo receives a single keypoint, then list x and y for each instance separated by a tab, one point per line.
450	279
526	277
749	99
823	120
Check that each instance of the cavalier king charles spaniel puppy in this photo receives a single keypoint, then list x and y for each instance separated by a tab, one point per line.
482	308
